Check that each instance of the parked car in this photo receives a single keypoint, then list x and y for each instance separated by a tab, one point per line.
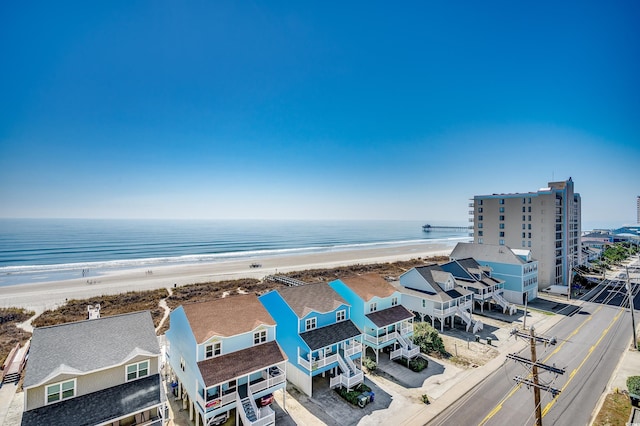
220	419
265	400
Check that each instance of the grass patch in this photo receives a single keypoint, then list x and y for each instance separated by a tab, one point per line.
133	301
204	292
10	335
615	411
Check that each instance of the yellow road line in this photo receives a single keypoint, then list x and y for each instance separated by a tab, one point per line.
571	376
498	407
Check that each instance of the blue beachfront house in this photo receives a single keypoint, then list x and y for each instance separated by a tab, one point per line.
316	332
223	356
376	309
515	267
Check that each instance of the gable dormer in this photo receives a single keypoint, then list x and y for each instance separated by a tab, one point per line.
446	284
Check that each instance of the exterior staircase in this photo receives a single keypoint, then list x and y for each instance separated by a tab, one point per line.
350	376
506	306
475	325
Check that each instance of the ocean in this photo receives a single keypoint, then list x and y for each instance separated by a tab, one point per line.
37	250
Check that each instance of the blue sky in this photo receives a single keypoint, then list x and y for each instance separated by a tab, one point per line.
315	110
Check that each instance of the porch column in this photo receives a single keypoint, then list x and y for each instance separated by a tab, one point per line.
190	410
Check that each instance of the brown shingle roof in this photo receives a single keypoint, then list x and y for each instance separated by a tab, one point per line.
239	363
226	316
308	298
369	286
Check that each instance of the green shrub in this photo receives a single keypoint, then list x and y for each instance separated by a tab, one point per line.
633	384
418	364
428	339
369	364
352	396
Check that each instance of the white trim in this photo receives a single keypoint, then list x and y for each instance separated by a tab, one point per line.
344	315
213	349
60	391
310	321
138	376
65	369
261	339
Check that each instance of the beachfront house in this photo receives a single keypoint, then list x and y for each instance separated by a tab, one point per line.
477	278
316	332
95	372
515	267
377	310
429	291
224	356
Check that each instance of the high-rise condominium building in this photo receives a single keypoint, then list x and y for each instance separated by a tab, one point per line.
547	222
638	207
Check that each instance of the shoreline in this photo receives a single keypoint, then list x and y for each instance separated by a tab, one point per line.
51	294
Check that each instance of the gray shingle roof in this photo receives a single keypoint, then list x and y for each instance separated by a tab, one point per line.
390	316
326	336
319	297
434	274
85	346
99	407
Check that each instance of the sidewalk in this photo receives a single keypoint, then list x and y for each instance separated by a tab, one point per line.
629	365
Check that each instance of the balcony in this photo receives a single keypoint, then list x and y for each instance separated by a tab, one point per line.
350	350
216	402
316	362
270	378
347	382
406	329
379	340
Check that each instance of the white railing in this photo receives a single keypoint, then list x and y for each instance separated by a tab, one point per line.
443	312
378	340
347	382
344	367
350	363
315	364
352	349
407	348
264	415
215	403
268	381
504	304
396	354
406	328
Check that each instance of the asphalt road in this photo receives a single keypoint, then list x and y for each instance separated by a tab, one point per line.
590	343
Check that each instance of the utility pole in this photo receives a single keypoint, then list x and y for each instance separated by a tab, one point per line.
633	319
534	364
536	384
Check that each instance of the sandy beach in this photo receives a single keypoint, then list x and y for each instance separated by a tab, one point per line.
51	294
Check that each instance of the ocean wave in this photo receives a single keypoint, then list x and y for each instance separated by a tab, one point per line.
96	266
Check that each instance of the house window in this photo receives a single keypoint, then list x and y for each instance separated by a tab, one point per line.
523	226
60	391
480	233
424	303
502	226
529	243
480	217
529	209
212	349
373	307
394	301
501	209
136	371
501	217
480	240
182	364
310	324
341	315
523	244
479	202
480	225
501	200
529	235
523	236
479	209
259	337
529	226
502	233
501	242
529	217
523	209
